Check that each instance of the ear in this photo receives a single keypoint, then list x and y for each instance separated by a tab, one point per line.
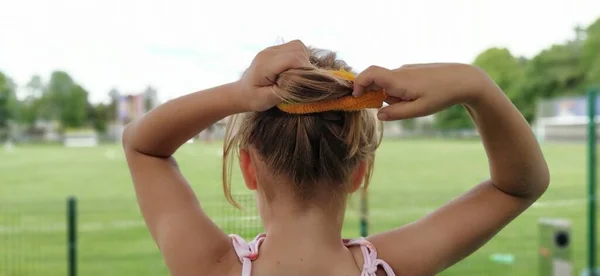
248	170
358	175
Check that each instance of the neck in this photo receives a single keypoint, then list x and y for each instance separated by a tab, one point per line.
302	232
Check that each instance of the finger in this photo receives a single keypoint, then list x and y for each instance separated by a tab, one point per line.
290	46
374	75
287	61
392	100
302	47
297	60
372	87
294	46
403	110
400	94
299	47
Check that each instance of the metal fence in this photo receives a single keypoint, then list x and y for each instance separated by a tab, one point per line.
112	238
105	237
32	238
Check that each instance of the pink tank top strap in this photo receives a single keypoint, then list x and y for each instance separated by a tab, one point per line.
246	251
371	262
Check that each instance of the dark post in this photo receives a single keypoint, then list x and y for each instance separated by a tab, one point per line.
72	235
592	182
364	223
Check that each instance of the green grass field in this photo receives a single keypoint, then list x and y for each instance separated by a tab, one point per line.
411	178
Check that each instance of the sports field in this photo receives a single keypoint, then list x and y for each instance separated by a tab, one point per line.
412	177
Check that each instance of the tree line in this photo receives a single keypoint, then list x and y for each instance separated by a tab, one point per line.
60	100
565	69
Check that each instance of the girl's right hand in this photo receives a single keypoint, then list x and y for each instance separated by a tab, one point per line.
419	90
259	81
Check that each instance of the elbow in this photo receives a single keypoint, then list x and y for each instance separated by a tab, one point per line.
527	184
542	182
127	136
538	183
132	142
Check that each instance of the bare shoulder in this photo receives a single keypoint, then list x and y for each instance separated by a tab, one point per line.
359	258
403	254
228	264
451	233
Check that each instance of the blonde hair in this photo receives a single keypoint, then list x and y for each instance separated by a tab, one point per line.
316	152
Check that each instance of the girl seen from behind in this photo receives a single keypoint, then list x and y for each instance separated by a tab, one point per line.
304	166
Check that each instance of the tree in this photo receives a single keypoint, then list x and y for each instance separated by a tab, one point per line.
149	99
60	83
73	108
508	72
56	96
590	56
32	108
114	95
65	101
35	87
554	72
454	117
409	124
505	69
98	116
8	105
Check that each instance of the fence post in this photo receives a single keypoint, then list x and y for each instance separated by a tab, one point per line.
72	235
364	222
592	97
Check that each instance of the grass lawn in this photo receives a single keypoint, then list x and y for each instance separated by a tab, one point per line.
411	178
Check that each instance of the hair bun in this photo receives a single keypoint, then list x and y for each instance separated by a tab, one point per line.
312	155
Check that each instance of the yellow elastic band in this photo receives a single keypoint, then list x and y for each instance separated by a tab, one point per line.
371	99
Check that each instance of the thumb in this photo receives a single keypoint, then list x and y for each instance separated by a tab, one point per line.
403	110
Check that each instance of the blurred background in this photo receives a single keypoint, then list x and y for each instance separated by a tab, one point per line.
74	72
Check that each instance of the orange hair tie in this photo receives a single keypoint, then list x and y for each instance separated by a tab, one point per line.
370	99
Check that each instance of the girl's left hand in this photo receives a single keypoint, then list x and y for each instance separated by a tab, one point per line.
258	82
418	90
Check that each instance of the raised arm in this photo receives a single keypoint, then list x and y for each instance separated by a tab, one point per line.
519	174
189	241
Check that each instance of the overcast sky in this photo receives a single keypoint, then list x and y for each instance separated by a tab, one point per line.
181	46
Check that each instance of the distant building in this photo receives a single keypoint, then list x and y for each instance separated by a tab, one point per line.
562	119
130	107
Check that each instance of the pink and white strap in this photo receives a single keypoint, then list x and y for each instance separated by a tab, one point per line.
246	251
371	262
